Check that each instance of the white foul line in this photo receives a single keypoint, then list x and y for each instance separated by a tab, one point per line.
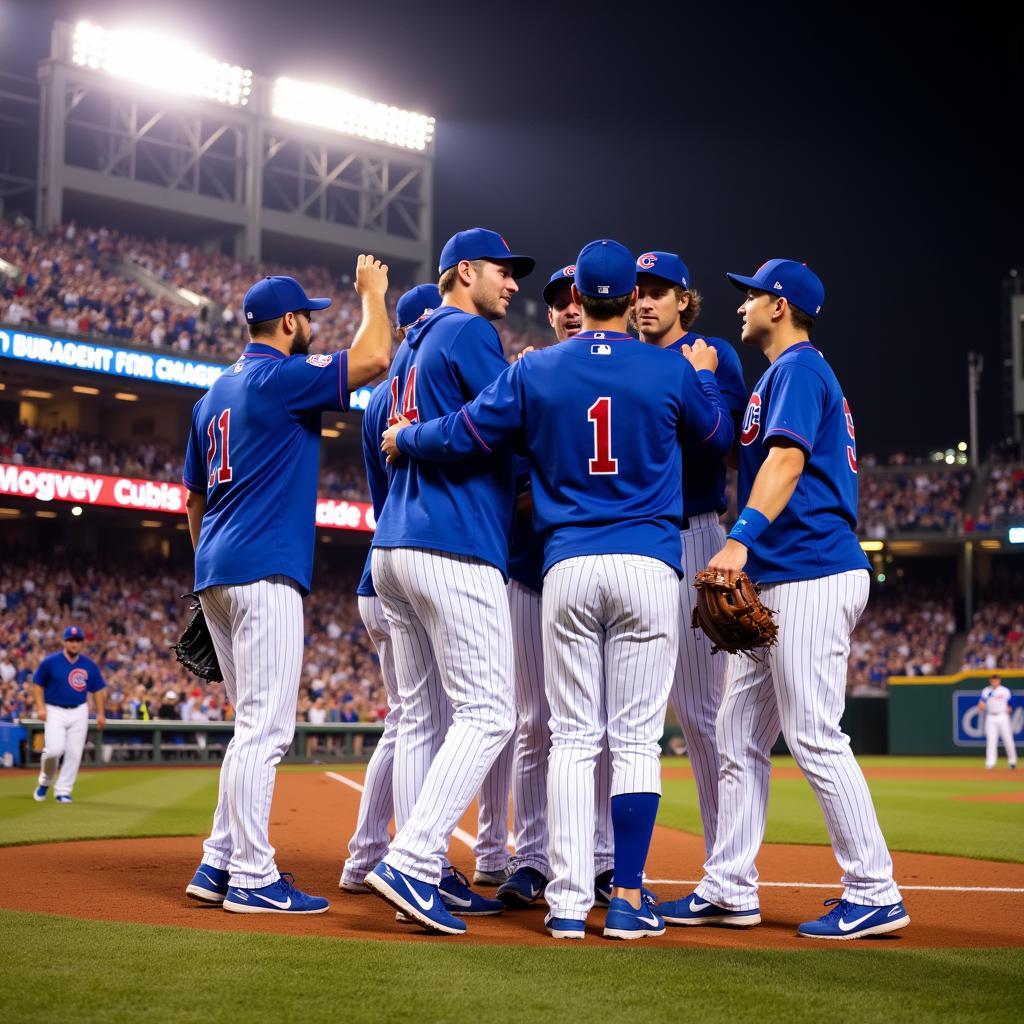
469	840
461	834
837	885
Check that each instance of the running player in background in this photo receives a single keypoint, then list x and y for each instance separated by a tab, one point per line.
251	470
601	416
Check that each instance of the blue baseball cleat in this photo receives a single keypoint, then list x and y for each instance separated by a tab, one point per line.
461	900
524	885
40	793
564	927
64	799
208	885
693	910
603	889
848	920
280	897
419	900
626	922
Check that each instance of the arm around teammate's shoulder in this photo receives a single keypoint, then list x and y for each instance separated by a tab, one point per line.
370	354
706	422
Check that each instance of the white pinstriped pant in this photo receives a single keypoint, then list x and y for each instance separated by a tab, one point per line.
370	840
532	744
257	632
802	688
611	625
700	675
456	607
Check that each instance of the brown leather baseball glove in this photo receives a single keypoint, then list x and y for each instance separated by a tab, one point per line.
732	616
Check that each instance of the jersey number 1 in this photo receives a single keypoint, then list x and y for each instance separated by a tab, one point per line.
409	410
600	414
223	423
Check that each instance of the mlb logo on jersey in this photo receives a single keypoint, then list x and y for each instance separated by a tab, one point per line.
600	350
77	679
751	420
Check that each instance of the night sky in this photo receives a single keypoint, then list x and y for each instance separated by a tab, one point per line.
884	153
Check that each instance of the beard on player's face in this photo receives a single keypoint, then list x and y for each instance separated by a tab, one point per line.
492	290
302	336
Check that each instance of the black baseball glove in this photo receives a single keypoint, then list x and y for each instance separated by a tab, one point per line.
195	648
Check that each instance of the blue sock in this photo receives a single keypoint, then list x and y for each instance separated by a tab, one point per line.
633	817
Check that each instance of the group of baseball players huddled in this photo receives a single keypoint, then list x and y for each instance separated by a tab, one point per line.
528	587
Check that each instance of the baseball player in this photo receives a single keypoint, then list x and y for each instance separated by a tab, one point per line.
376	804
666	307
439	560
601	416
251	470
995	705
796	536
63	682
530	869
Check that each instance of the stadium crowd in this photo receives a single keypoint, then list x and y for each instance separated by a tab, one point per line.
919	501
996	637
132	614
903	631
72	279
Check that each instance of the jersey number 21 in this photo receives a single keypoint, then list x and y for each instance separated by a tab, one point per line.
219	424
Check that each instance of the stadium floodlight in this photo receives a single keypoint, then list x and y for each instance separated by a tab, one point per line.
1016	535
340	111
160	61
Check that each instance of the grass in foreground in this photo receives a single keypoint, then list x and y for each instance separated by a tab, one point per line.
917	815
170	975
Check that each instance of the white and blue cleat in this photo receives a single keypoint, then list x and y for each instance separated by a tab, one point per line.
460	899
63	798
418	900
208	885
522	887
280	897
565	927
692	910
40	793
848	920
625	921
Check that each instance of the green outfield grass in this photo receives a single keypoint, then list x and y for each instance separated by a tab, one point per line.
171	975
917	815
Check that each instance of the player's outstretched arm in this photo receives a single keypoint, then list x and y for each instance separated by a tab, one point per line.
706	423
493	418
370	354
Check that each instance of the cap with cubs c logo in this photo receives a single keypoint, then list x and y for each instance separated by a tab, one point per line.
666	265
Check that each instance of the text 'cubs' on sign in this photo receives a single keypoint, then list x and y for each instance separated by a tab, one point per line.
751	420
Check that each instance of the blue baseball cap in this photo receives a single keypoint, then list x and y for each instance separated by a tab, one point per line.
481	244
560	279
274	296
73	633
666	265
794	281
605	269
424	298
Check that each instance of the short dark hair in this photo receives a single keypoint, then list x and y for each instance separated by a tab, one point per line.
606	309
265	328
801	321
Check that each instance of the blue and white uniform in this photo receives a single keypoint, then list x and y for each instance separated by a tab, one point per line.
66	684
997	725
254	452
700	675
439	563
601	417
815	576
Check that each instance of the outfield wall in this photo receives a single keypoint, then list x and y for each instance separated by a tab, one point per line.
939	714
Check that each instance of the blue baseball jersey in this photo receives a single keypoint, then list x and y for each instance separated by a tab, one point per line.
526	548
703	475
375	419
464	508
601	417
67	682
799	399
254	451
